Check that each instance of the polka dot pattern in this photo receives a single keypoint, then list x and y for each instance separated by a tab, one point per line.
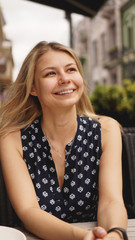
77	201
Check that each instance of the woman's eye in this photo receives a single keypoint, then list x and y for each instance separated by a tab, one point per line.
50	74
71	69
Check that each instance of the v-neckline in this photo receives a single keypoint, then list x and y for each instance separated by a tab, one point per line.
67	148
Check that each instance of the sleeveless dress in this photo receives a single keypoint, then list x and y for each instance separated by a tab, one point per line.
77	201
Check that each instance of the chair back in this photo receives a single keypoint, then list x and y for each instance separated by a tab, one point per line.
8	216
128	164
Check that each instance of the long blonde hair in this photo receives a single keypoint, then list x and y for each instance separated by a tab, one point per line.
20	107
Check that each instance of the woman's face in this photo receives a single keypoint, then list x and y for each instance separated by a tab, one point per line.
58	82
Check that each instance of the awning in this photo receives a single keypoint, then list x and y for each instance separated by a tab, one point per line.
87	8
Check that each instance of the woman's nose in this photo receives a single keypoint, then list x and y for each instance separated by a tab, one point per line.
63	79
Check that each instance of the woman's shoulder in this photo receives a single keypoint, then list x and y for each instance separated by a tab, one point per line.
109	123
10	139
110	130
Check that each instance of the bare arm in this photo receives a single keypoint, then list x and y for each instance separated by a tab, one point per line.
111	209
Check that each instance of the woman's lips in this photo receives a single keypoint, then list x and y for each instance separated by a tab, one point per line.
65	92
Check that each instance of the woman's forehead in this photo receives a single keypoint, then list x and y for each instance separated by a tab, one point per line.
54	57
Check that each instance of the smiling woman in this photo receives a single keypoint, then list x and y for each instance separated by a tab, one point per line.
57	75
62	160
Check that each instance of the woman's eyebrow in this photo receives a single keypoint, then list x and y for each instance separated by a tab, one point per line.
67	65
47	68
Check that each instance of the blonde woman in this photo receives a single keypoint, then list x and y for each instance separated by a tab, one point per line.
61	162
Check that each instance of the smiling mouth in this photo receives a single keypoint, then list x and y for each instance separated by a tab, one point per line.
65	92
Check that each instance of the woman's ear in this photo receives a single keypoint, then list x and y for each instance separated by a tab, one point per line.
33	91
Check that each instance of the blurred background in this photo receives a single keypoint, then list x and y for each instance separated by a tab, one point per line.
103	35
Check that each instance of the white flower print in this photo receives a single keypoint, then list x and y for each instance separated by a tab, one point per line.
32	176
43	207
30	144
72	208
38	158
94	125
24	137
73	170
80	189
25	148
36	130
87	181
72	183
52	202
73	157
33	137
58	208
80	175
79	138
80	203
92	159
38	185
52	182
93	172
96	137
45	194
79	149
31	155
63	215
88	194
81	127
97	149
85	154
66	190
89	133
44	180
72	196
85	141
80	162
44	167
44	155
43	139
91	146
38	145
86	168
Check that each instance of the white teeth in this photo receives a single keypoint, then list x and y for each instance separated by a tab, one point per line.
64	92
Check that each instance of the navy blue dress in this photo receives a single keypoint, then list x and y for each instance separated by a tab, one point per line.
77	201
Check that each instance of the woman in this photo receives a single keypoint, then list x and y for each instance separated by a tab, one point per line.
61	162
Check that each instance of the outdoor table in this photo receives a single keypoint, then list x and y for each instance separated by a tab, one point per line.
88	226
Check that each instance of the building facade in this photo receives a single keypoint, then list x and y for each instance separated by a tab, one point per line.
104	44
128	39
6	59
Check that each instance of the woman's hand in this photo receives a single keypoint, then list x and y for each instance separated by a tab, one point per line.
96	233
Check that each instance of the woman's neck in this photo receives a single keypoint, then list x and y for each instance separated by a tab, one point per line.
60	125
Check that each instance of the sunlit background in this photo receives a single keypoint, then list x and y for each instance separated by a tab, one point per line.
27	23
104	42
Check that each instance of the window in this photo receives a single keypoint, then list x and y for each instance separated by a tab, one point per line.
103	50
95	53
112	35
130	37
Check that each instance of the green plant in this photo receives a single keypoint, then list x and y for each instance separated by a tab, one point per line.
115	101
